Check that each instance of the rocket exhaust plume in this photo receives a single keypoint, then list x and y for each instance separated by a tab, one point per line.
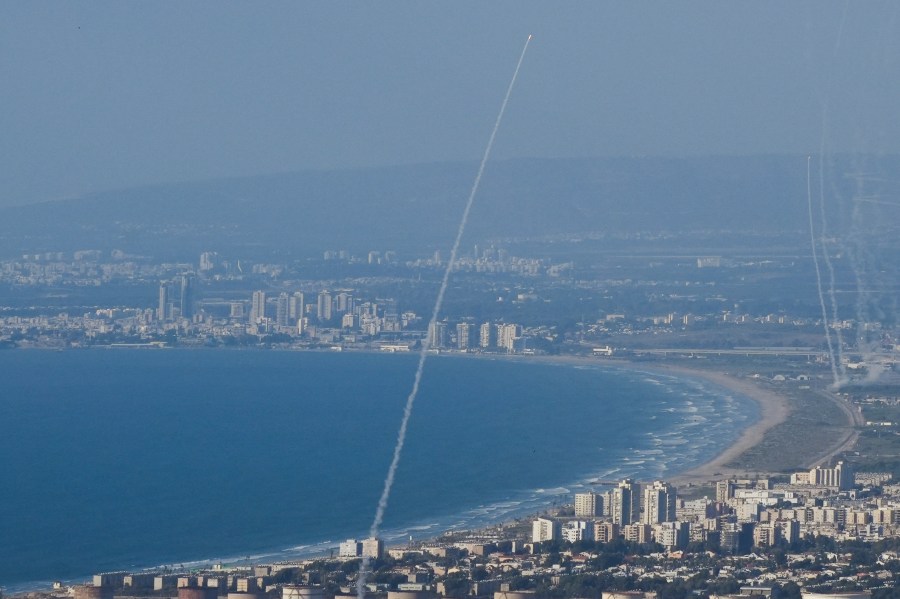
812	239
839	341
423	352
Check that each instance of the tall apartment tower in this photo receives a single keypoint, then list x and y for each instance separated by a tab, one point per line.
545	529
282	307
373	548
258	307
323	307
463	334
295	309
187	297
507	334
725	490
588	505
437	334
344	302
659	503
626	502
487	335
162	311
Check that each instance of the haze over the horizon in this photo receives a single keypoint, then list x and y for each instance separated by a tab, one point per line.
102	95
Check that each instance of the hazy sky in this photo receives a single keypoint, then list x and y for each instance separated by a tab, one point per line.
96	95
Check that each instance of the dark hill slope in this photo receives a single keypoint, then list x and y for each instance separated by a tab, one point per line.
418	207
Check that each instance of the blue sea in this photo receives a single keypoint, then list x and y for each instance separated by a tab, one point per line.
115	459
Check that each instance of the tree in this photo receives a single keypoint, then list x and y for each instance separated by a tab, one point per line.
790	590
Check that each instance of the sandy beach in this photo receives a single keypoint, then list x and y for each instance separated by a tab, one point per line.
774	410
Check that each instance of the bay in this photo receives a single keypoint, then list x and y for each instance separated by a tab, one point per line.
113	459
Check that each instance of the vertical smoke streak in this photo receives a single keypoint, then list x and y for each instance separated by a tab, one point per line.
822	235
812	240
426	345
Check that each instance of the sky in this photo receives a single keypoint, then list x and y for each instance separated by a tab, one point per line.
103	95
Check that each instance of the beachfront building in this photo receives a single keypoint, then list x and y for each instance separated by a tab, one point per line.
626	502
372	548
840	477
659	503
350	548
545	529
588	505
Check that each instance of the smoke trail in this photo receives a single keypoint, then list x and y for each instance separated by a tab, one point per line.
822	236
423	352
840	32
812	240
874	201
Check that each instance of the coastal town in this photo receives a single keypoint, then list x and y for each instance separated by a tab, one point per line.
825	532
781	512
524	306
471	300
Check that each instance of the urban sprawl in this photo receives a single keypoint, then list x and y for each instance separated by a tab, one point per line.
822	528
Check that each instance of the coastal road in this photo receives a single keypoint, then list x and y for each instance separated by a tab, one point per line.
854	425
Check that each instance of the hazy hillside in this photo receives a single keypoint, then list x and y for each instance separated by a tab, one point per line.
418	207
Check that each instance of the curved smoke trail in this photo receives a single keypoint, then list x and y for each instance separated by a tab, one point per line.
822	237
812	239
426	345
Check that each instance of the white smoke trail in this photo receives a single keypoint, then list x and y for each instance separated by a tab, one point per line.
829	266
426	345
874	201
812	239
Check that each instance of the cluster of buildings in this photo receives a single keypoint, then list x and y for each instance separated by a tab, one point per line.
823	501
721	542
212	301
504	336
636	512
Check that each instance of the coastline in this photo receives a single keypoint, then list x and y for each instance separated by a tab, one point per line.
773	410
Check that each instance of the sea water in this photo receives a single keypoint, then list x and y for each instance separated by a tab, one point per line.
127	459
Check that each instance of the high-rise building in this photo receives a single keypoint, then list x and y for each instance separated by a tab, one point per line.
344	302
840	477
162	311
588	505
545	529
323	307
295	310
282	308
507	334
659	503
236	310
372	548
258	307
487	336
350	548
437	334
187	297
626	502
725	490
208	261
463	332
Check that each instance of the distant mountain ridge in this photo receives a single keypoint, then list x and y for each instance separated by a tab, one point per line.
416	208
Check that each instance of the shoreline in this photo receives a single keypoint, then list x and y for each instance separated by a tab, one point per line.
773	410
